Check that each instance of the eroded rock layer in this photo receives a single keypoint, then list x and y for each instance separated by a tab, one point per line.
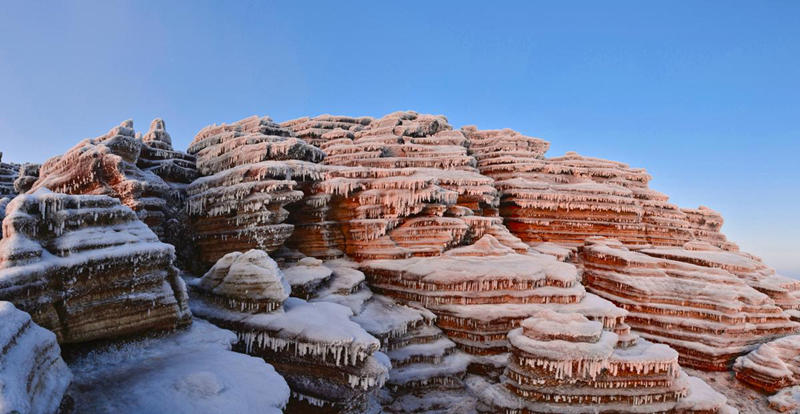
8	174
145	174
86	268
32	373
249	169
709	315
328	360
772	366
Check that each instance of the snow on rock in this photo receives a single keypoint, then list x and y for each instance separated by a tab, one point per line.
772	366
123	165
86	268
246	282
307	276
189	371
33	377
28	174
565	363
8	174
786	400
707	314
325	357
249	170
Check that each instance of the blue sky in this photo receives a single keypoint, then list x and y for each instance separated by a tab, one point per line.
705	95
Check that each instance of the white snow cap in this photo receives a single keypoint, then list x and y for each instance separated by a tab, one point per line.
251	276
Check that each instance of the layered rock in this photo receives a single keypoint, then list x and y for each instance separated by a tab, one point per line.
32	373
772	366
188	371
709	315
249	169
127	167
565	363
570	198
399	186
86	268
8	174
786	400
28	174
328	360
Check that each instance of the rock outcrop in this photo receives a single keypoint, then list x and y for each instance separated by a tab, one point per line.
328	360
86	268
144	173
8	174
709	315
27	176
33	377
249	170
772	366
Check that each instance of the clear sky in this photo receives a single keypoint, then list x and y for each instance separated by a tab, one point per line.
705	95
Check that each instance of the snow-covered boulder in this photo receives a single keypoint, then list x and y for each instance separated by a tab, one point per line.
33	377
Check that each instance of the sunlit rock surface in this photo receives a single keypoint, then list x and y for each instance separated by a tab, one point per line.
772	366
33	377
709	315
86	268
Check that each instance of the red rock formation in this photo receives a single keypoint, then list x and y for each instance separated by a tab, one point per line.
709	315
86	268
249	169
772	366
565	363
123	166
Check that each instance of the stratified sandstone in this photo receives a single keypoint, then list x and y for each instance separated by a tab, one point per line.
772	366
86	268
249	170
709	315
33	377
328	360
141	172
565	363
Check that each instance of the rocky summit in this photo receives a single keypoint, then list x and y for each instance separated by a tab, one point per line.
337	264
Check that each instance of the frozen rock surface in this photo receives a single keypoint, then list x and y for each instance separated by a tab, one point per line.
186	372
709	315
86	268
772	366
8	174
328	360
33	377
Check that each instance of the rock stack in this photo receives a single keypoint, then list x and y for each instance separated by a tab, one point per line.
772	366
32	373
249	170
710	316
565	363
86	268
121	165
329	361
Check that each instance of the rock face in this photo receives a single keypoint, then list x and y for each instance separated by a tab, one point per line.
707	314
328	360
27	176
144	173
8	174
86	268
32	373
772	366
563	361
249	169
